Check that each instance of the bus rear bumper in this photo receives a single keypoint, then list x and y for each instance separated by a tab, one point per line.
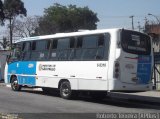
123	87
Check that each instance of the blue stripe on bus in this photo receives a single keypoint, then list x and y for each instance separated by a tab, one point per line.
144	69
21	69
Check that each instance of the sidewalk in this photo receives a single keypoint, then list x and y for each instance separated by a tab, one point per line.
2	83
148	96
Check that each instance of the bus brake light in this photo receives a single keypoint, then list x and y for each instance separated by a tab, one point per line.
116	70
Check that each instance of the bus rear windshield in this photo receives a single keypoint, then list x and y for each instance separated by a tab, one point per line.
135	42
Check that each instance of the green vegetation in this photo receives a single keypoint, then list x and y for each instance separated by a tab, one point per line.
59	18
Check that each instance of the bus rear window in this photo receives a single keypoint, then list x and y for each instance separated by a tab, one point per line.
135	42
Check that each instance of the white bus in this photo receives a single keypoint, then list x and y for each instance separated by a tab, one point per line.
97	61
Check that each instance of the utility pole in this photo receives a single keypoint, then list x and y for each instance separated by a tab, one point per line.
132	22
139	26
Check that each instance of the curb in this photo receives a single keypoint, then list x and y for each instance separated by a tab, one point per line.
3	84
137	98
9	86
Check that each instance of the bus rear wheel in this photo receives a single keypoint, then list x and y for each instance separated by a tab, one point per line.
14	84
65	90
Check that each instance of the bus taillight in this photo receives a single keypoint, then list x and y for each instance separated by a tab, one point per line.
116	70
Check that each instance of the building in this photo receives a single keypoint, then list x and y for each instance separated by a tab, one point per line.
154	31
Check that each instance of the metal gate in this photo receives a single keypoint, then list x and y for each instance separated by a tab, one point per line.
156	72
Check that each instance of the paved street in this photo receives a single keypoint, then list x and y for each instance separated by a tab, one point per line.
36	102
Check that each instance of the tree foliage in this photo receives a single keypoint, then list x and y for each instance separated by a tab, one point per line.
1	12
59	18
45	26
25	27
12	9
4	43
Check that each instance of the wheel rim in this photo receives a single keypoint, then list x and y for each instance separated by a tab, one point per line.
65	90
15	84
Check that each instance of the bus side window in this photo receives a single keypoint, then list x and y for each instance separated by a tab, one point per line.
43	50
62	49
15	54
33	45
54	44
89	47
33	52
100	47
101	41
78	49
48	45
53	54
71	51
26	46
40	50
106	46
79	42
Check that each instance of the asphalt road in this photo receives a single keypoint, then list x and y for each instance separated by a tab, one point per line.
35	104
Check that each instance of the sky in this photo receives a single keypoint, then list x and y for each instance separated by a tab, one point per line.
111	13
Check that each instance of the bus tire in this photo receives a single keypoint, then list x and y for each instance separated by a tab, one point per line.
14	84
65	90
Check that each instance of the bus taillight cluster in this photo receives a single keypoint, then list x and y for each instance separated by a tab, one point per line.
117	70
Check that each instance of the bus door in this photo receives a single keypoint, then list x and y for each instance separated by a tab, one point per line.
13	65
136	60
28	72
28	68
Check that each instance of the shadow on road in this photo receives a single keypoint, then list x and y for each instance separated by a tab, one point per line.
119	102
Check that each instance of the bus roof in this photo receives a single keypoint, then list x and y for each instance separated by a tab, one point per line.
70	34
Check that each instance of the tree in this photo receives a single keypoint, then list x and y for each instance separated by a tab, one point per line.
12	9
1	12
25	27
4	43
58	18
45	26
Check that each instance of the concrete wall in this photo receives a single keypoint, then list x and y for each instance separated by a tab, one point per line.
3	59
